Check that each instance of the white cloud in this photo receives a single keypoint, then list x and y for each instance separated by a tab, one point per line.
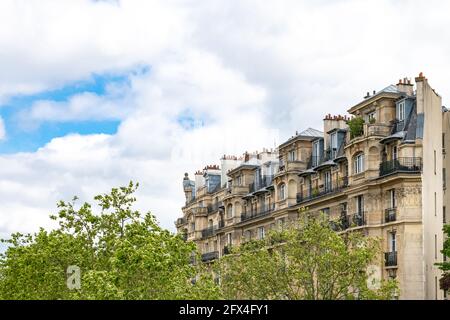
252	72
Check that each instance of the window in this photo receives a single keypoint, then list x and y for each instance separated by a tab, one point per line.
360	204
326	211
435	204
280	223
394	153
210	223
229	239
435	247
434	162
359	163
261	233
229	211
192	226
444	177
327	180
371	117
392	203
282	192
401	111
248	235
239	181
292	155
392	242
444	218
333	144
316	154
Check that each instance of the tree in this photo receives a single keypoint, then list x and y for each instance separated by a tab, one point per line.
356	127
122	254
445	265
307	260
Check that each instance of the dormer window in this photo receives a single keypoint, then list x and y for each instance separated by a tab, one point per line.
315	154
371	117
401	111
292	156
333	144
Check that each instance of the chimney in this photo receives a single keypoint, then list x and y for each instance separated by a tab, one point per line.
367	95
187	187
404	85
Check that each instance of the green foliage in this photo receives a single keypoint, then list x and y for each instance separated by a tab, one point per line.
314	263
356	127
445	265
122	254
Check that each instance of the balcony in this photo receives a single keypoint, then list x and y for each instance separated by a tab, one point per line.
180	222
209	232
390	215
263	212
226	250
411	164
390	259
358	219
210	256
341	224
262	182
238	190
377	130
317	193
212	208
398	126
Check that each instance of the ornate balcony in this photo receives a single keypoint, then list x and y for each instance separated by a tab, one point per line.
226	250
410	164
210	256
390	259
358	219
261	213
209	232
390	215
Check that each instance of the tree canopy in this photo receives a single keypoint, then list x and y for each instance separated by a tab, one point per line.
307	260
122	254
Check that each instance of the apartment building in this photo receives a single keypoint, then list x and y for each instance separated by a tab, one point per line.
384	176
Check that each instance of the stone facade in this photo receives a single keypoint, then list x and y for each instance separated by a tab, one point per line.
387	179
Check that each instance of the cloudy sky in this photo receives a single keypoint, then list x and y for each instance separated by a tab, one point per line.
96	93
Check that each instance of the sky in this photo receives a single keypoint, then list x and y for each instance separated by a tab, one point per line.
94	94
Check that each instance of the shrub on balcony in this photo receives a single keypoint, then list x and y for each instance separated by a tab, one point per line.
355	126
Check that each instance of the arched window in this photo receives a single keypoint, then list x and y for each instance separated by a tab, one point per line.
282	192
230	211
358	163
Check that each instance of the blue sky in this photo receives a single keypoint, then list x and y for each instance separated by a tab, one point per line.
20	139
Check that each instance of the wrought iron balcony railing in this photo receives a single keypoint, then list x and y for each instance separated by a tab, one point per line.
358	219
399	125
262	182
405	164
226	250
390	259
209	232
327	189
341	224
253	215
209	256
390	215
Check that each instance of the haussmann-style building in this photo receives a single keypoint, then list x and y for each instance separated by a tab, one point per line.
388	180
